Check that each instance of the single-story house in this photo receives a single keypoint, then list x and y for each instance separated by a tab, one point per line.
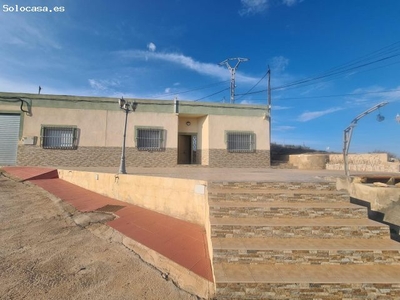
77	131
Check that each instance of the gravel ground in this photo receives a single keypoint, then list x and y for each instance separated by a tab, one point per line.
45	255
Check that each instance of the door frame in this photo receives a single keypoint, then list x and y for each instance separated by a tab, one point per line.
192	151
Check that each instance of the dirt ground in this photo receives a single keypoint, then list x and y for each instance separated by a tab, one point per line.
45	255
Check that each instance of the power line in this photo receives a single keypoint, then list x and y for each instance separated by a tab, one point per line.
194	89
241	95
307	82
337	95
212	94
334	73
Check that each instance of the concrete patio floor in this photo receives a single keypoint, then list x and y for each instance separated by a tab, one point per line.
231	174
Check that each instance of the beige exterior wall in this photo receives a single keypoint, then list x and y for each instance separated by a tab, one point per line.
100	128
204	129
168	122
193	128
220	124
92	126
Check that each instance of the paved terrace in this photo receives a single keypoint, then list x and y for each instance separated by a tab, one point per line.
233	174
228	174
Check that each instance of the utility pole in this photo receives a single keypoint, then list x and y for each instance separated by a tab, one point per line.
269	89
233	72
269	104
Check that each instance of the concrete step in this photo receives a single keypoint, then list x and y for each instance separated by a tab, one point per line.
272	281
305	251
298	228
280	209
266	186
323	196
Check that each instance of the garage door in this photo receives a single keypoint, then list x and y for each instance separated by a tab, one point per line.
9	136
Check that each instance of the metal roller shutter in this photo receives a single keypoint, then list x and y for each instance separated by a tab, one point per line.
9	136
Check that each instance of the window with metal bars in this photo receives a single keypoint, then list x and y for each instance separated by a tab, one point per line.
240	141
58	137
150	139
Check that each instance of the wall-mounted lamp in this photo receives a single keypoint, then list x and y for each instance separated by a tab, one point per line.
188	123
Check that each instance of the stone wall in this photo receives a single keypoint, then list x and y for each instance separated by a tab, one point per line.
111	157
94	157
373	162
309	161
221	158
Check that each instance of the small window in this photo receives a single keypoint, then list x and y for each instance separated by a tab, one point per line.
149	139
55	137
240	141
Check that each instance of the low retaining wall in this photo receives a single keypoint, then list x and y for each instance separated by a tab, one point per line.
385	199
184	199
373	162
308	161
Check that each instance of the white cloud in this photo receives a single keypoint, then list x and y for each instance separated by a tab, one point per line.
283	128
167	90
291	2
27	86
277	107
103	84
246	102
151	46
27	32
251	7
307	116
372	95
279	63
209	69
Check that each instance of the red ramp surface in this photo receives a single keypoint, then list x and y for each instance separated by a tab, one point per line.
182	242
31	173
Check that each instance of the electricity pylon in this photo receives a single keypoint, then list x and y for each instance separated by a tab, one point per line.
233	72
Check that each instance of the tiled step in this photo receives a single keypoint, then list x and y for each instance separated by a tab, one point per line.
319	186
280	209
246	281
298	241
298	228
323	196
306	251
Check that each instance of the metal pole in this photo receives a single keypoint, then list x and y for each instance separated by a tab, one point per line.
348	133
233	84
122	169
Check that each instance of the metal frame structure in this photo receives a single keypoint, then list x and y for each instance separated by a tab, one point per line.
233	72
349	131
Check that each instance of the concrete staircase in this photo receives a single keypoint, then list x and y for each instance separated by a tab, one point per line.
298	241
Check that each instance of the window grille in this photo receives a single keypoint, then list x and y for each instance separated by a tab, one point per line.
149	139
58	137
241	142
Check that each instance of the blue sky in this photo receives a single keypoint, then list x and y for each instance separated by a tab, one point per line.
348	52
